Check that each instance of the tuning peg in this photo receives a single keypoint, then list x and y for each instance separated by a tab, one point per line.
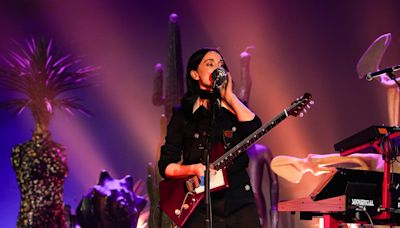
301	114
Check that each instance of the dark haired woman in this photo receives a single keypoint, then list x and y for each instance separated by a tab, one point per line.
192	128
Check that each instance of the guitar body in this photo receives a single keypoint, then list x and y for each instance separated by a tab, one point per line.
178	203
172	198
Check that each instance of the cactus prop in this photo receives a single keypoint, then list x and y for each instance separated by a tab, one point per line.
174	87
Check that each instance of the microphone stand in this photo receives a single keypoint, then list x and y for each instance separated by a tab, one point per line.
213	107
208	218
393	77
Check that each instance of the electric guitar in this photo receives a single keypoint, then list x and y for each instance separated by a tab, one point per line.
180	196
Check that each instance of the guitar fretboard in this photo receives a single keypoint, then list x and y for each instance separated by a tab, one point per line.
226	159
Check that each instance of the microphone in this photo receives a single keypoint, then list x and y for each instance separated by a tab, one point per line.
219	77
371	75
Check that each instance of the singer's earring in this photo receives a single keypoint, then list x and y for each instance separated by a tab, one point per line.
194	75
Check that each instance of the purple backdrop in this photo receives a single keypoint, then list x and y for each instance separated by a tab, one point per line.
300	46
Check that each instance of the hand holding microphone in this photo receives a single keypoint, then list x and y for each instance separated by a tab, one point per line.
222	81
219	77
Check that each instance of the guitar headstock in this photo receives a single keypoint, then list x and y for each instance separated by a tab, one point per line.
300	105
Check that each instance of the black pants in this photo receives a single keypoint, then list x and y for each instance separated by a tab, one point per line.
245	217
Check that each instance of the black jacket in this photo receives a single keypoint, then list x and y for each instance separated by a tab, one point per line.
186	137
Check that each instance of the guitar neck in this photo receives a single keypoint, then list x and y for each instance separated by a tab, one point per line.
226	159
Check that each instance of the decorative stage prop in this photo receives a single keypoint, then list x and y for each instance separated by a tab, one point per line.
173	91
362	155
292	169
368	67
41	166
111	203
260	172
41	76
349	195
260	157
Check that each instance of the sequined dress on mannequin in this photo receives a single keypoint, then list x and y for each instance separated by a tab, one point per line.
41	166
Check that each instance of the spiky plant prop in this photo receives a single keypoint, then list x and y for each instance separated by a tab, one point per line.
41	77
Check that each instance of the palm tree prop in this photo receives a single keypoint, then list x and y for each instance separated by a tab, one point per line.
42	77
